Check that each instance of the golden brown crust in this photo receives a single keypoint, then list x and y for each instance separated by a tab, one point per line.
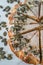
30	58
19	54
10	34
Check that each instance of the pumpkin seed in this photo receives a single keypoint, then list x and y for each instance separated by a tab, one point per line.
10	1
4	40
5	33
30	46
9	57
7	29
3	24
3	56
7	14
18	1
27	40
2	52
5	43
7	8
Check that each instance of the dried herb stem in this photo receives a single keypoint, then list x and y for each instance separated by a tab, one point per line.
31	17
30	9
40	50
34	29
